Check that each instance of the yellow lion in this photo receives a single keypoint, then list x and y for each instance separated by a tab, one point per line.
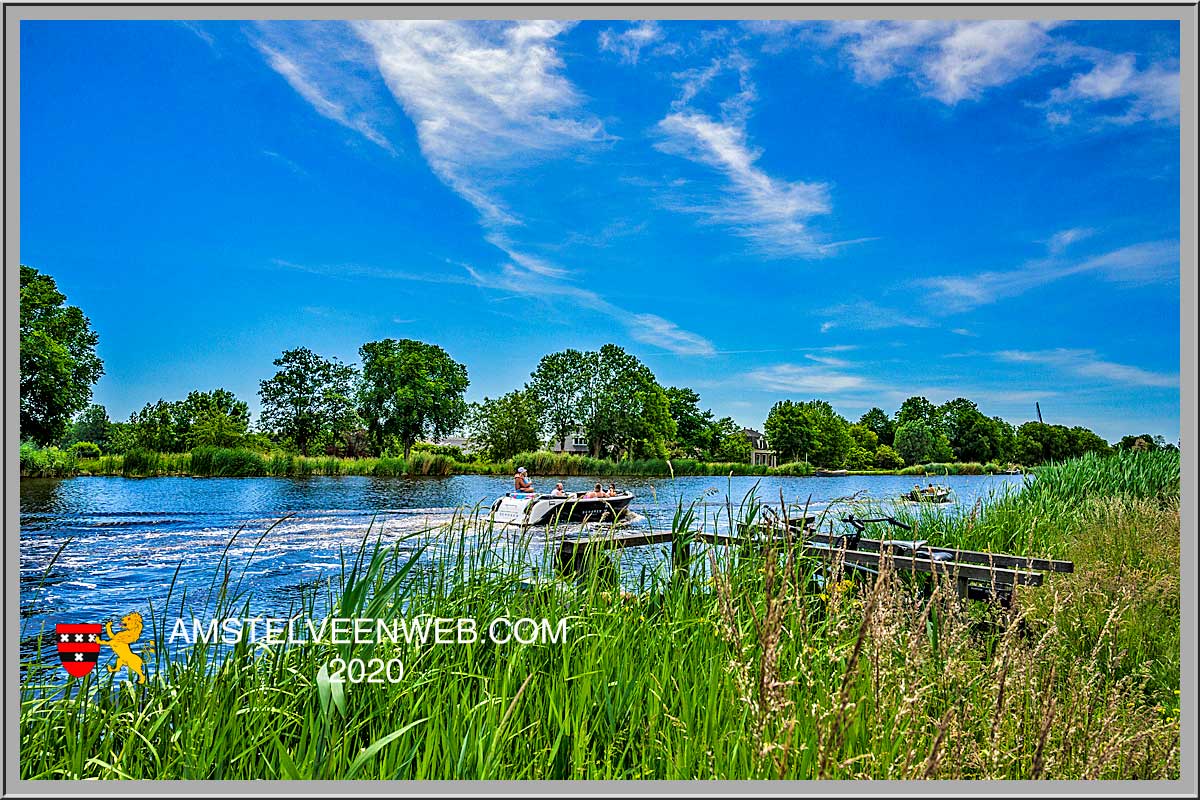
120	644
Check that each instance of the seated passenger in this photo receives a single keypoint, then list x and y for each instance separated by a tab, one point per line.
522	482
596	492
558	490
612	490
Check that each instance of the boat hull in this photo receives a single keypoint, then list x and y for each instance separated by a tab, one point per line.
548	509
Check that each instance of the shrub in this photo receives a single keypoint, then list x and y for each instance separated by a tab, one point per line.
49	462
798	469
226	462
84	450
887	458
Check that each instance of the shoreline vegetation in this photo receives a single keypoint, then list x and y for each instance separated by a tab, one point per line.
236	462
743	667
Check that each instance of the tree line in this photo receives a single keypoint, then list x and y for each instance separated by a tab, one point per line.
404	392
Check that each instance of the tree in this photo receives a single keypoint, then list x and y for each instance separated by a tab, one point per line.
973	437
692	426
503	427
59	364
788	431
860	458
918	443
556	389
727	442
812	431
308	398
621	408
864	437
887	458
410	390
202	418
1142	442
91	425
918	409
876	420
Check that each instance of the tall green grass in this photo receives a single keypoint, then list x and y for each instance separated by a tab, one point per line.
741	667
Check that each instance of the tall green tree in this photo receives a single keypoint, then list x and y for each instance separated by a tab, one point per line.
622	408
919	409
973	437
788	430
556	389
811	430
308	398
917	443
692	426
503	427
59	364
877	421
729	443
410	390
90	425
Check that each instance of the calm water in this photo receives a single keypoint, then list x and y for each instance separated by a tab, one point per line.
125	538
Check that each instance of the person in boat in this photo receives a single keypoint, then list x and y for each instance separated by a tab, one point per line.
521	482
594	493
559	491
930	489
612	490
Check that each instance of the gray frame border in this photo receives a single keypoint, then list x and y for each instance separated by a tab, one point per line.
1186	14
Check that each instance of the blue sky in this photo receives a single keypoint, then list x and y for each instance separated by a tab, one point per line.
854	211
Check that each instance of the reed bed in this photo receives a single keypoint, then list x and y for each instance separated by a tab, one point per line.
744	667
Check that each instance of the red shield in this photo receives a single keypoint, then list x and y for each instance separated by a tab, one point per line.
78	647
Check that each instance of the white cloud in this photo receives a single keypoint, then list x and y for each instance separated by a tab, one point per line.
628	44
1086	364
869	316
486	98
1065	238
1115	82
655	330
950	61
327	66
770	212
803	379
1146	262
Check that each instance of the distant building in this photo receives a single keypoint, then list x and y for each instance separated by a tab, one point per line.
761	453
461	442
576	444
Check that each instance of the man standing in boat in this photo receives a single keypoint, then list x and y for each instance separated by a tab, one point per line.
521	481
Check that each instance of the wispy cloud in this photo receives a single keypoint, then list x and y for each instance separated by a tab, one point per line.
953	61
868	315
334	72
1087	364
770	212
287	162
1115	91
1145	262
485	98
628	44
201	34
1065	238
804	379
646	328
950	61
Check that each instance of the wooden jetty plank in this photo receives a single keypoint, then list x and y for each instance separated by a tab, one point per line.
1000	576
965	556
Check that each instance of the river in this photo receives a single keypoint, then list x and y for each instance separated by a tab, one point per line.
93	548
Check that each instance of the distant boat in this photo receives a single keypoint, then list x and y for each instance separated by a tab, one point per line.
521	509
831	473
930	494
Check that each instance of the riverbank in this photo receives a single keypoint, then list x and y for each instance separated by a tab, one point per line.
241	463
739	671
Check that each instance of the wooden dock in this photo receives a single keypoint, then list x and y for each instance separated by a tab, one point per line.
974	574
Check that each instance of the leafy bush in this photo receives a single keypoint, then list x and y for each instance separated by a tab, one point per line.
85	450
48	462
887	458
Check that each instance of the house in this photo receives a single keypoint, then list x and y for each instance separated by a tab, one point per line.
760	451
576	444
